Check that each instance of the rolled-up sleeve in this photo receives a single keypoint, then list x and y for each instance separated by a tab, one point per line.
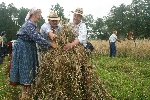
45	29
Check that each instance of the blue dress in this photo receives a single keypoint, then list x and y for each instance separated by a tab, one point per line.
24	54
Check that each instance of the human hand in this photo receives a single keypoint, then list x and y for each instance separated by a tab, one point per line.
119	41
54	45
68	46
52	36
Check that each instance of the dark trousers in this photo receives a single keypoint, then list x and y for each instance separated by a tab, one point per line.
112	49
90	47
4	50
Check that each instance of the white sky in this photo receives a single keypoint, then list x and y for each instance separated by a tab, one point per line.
98	8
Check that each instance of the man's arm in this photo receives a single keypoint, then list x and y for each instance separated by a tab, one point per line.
119	40
68	46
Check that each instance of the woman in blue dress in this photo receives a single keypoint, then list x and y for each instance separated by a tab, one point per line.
24	54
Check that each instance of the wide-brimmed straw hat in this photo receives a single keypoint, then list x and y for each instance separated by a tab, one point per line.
78	11
53	16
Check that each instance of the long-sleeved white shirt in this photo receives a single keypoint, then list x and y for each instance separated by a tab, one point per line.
80	31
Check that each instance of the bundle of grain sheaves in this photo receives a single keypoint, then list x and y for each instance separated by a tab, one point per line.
68	75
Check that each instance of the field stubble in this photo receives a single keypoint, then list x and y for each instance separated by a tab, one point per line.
138	49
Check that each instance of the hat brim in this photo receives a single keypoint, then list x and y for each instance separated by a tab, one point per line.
58	18
77	13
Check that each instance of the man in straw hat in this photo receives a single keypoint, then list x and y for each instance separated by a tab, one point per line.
49	29
52	27
80	30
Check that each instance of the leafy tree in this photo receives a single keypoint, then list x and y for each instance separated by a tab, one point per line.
22	12
7	22
60	11
98	28
134	17
11	19
118	20
89	21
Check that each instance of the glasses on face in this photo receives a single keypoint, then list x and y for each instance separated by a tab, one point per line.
54	21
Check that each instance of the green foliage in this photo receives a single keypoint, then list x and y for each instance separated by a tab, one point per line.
89	21
123	18
131	17
125	79
11	19
60	11
22	12
6	22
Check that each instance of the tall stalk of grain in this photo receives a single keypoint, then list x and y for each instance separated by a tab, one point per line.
68	75
138	49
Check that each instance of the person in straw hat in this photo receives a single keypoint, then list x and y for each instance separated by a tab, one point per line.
48	30
79	28
80	31
24	54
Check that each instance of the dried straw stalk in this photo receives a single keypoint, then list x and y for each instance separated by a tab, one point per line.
68	75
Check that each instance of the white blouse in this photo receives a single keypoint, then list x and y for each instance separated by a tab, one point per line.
81	33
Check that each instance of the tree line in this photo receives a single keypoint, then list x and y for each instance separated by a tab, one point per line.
124	18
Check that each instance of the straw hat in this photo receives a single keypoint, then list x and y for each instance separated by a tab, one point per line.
78	11
53	16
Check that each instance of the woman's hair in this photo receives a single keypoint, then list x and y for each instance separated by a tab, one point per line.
37	11
32	11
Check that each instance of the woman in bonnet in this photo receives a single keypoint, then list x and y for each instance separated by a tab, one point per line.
24	55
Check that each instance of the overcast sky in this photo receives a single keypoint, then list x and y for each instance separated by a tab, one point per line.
98	8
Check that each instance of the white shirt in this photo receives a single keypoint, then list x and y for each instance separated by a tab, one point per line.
81	33
46	28
113	38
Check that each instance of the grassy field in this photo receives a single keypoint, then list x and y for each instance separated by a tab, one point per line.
7	92
125	77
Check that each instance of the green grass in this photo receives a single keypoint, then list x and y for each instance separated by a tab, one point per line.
123	78
7	91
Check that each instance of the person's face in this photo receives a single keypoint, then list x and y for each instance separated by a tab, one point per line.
53	23
77	18
38	17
